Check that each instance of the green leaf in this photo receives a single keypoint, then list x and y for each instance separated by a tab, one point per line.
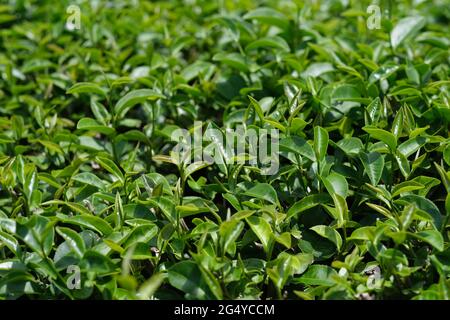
318	275
351	146
100	112
97	263
195	166
38	234
432	237
446	155
274	42
308	202
284	239
320	142
382	135
447	204
347	92
86	87
143	233
360	165
406	186
90	179
397	125
134	97
336	183
234	60
51	146
383	73
406	28
196	69
167	207
341	209
149	287
299	146
10	242
118	211
425	205
257	107
287	265
269	16
363	233
93	125
263	191
212	282
111	167
74	241
187	277
90	222
330	234
317	69
76	207
445	176
373	165
114	246
262	229
411	146
229	231
391	259
403	164
412	73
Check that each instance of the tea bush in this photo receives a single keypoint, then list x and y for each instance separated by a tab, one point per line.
95	203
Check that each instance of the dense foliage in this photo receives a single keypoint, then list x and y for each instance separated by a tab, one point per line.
359	206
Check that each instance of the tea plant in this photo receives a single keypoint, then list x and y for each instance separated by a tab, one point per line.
94	204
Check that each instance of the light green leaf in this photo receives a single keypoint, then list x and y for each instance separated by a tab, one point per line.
411	146
76	207
93	125
320	142
406	28
74	240
446	155
308	202
382	135
373	165
318	275
299	146
100	112
269	16
263	191
90	222
330	234
90	179
234	60
262	229
111	167
351	146
406	186
187	277
403	164
432	237
336	183
257	107
86	87
134	97
10	242
229	231
274	42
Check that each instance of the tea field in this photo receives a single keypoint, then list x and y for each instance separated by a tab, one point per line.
248	149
